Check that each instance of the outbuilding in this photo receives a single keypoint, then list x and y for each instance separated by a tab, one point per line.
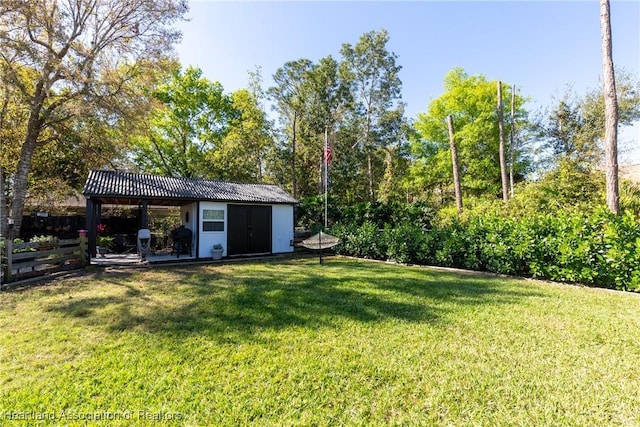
244	218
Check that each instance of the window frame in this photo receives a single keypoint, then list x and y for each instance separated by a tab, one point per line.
216	220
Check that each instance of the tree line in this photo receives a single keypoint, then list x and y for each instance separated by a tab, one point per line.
88	85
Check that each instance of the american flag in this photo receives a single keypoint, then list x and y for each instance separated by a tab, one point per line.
327	153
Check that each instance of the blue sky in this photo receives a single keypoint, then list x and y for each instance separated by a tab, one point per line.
543	47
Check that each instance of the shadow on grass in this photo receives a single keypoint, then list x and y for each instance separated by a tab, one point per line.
245	300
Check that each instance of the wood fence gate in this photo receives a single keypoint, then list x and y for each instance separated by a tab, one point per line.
21	260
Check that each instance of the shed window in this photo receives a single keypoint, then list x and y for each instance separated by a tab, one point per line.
212	220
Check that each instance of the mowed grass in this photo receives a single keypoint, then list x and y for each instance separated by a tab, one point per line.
291	342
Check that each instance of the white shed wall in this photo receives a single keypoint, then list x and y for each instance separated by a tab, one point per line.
282	228
210	238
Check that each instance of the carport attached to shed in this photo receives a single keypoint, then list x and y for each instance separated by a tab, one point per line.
196	196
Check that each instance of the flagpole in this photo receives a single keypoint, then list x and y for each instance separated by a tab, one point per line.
326	176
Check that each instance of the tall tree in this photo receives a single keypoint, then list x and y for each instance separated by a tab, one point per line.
471	101
563	133
288	97
512	140
574	130
192	121
454	163
325	101
610	111
13	118
83	52
91	141
501	149
310	99
371	72
241	154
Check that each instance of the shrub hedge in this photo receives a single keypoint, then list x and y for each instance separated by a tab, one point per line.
597	249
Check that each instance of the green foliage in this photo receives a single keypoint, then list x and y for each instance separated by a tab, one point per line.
192	122
630	197
241	154
378	213
357	101
364	241
574	128
307	97
310	211
20	250
471	101
44	239
406	243
567	187
164	224
105	241
566	135
371	73
598	248
70	66
390	213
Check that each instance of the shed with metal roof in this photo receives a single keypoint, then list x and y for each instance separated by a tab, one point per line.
244	218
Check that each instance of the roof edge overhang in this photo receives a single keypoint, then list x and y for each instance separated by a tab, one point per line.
133	189
151	201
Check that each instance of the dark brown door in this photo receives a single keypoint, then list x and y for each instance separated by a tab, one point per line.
249	229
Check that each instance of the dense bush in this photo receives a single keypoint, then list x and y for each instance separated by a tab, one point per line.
391	213
597	248
406	243
310	213
362	241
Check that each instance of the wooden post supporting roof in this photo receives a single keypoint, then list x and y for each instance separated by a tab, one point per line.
94	212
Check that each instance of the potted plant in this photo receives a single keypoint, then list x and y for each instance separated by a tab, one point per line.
104	243
45	242
217	250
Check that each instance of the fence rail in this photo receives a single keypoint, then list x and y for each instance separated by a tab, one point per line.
21	260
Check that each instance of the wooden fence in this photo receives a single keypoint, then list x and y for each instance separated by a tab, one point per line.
20	260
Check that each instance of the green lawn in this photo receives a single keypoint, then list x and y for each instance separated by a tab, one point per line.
290	342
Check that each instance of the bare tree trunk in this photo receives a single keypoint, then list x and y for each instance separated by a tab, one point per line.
503	161
293	155
367	135
372	191
385	190
258	161
512	143
20	179
3	189
3	204
20	183
454	161
610	111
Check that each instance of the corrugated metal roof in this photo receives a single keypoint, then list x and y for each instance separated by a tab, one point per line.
124	185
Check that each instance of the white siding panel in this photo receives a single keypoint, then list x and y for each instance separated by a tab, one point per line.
210	238
282	228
